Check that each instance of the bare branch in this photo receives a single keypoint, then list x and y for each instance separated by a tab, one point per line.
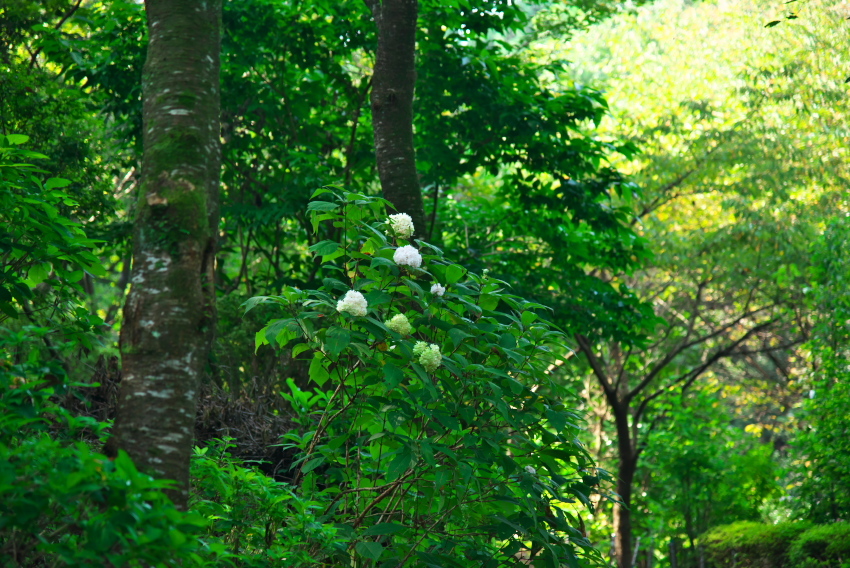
688	344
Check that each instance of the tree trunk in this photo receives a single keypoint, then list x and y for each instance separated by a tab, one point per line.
392	106
625	479
623	515
169	316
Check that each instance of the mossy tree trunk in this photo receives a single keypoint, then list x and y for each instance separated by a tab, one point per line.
169	316
393	82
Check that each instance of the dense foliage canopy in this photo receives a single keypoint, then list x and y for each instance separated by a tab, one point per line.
631	259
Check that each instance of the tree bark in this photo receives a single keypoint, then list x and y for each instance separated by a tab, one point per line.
393	82
169	316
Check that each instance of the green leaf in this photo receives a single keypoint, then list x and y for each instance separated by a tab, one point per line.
447	420
488	302
556	419
507	340
457	336
17	139
381	261
322	206
54	183
312	464
318	373
371	550
392	376
399	464
324	248
528	318
38	274
454	273
320	191
336	340
260	339
299	349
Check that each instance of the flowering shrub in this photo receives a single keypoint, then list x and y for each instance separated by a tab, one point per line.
444	442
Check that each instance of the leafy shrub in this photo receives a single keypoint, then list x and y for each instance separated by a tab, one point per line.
61	503
824	546
444	440
38	244
749	544
259	520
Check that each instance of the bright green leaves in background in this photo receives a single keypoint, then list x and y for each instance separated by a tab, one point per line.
821	480
467	464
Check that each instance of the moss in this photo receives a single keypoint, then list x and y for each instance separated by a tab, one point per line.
824	546
173	213
174	148
749	544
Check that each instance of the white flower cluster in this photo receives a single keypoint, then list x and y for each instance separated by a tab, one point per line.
354	303
402	225
407	256
530	470
399	324
429	355
437	289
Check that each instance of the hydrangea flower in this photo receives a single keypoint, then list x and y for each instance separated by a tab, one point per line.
419	348
431	358
407	256
353	303
400	324
530	470
402	225
437	289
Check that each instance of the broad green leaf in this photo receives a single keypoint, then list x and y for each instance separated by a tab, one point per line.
336	340
260	339
312	464
324	248
54	183
318	373
322	206
454	273
400	464
17	139
392	376
370	550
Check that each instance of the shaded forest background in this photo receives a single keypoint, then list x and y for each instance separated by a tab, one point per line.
661	186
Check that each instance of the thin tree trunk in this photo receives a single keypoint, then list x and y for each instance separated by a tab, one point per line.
623	516
625	480
392	106
169	316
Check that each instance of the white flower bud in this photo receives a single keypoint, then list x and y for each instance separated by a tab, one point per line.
437	289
